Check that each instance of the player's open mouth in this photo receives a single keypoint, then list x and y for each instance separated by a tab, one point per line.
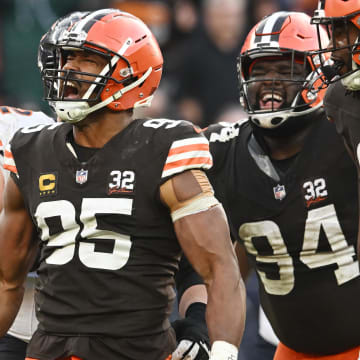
71	90
271	101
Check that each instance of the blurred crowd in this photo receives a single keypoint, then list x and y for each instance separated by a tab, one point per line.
200	40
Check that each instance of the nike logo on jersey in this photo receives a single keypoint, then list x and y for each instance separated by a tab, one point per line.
315	191
121	182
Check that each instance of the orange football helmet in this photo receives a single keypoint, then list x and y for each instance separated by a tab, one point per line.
283	35
132	73
338	10
328	14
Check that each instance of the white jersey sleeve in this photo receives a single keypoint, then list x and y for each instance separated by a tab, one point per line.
11	120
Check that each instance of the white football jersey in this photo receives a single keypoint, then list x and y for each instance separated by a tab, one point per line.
12	119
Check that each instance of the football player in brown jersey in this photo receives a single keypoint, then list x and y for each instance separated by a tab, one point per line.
112	198
342	99
289	189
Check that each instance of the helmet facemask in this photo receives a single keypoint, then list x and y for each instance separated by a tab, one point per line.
345	54
271	99
60	82
64	82
130	75
48	56
290	38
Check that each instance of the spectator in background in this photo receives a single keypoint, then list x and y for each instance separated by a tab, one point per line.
307	6
158	16
21	25
262	8
155	14
185	15
185	24
207	86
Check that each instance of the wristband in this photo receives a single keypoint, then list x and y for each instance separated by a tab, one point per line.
196	311
222	350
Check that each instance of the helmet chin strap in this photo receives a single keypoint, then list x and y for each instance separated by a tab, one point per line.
76	111
352	81
265	120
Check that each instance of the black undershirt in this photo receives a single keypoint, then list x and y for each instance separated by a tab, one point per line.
83	153
282	166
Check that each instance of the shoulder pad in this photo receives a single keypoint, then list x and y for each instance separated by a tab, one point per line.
183	144
223	132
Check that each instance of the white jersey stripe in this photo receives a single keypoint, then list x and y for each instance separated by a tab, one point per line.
9	162
191	141
180	169
187	155
7	159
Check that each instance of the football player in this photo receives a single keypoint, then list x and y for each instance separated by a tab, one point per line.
289	189
13	344
114	200
342	99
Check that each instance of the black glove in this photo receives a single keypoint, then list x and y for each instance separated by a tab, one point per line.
192	335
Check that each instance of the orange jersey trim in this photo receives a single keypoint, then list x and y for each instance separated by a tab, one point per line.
9	163
285	353
8	154
11	168
187	148
190	161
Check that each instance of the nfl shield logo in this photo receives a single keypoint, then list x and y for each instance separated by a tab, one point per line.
279	192
81	176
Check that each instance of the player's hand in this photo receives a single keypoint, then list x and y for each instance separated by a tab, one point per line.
193	340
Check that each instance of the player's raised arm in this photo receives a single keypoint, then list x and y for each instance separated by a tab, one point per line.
17	253
201	227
